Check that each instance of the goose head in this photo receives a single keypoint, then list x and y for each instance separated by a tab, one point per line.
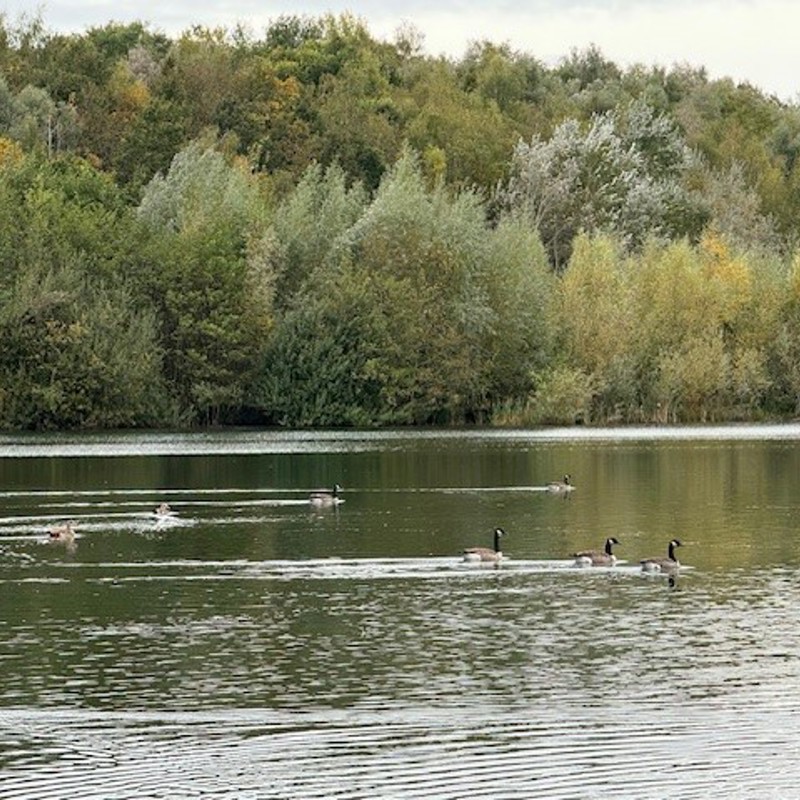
610	542
674	543
499	533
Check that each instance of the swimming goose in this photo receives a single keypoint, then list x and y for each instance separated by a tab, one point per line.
668	564
478	554
63	533
564	485
322	498
597	558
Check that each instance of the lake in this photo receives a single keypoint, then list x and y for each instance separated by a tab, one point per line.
251	646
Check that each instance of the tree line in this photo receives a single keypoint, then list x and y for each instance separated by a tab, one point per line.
317	228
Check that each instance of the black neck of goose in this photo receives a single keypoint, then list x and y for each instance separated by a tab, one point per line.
671	551
608	547
497	541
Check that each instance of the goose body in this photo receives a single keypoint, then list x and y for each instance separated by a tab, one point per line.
324	498
597	558
668	564
486	554
564	485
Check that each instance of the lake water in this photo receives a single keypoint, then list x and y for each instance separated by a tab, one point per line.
251	647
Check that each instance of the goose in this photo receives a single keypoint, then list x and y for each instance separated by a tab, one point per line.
564	485
481	554
323	498
597	558
163	510
63	533
668	564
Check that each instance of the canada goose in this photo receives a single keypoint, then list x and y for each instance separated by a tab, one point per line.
478	554
564	485
668	564
63	533
597	558
322	498
163	510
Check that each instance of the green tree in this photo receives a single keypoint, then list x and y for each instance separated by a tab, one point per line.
469	131
6	106
208	291
357	120
702	319
307	224
497	75
518	286
79	345
323	364
200	189
435	316
33	112
743	223
149	145
736	126
77	356
593	81
266	115
61	210
786	354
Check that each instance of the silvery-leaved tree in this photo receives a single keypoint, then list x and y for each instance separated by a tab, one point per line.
624	174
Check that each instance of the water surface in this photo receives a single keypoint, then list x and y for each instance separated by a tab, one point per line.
254	648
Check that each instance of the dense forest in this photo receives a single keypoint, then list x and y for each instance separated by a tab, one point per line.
314	227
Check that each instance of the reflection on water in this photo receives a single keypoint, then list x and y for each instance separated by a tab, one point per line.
257	648
238	441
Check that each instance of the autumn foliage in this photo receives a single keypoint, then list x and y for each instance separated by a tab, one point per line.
314	227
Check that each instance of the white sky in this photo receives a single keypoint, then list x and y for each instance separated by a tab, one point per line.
748	40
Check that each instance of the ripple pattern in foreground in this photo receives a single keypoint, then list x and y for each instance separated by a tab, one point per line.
445	754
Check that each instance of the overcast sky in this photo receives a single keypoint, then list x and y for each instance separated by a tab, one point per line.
748	40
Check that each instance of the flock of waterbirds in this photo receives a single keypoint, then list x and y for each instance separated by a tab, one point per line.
65	532
668	565
332	498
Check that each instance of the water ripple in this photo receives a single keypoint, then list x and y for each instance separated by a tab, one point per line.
413	691
256	650
467	751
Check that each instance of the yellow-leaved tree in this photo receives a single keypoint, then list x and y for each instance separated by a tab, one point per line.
593	323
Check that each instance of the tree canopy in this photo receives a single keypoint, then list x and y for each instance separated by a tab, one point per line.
314	227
